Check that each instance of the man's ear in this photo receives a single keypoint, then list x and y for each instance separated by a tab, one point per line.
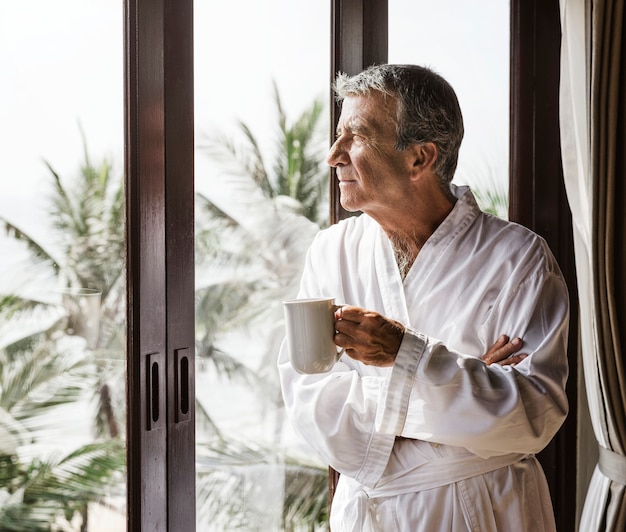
424	157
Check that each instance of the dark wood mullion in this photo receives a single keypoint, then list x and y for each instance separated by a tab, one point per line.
145	244
538	200
359	38
179	238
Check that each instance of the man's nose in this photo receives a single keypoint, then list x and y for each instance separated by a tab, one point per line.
336	156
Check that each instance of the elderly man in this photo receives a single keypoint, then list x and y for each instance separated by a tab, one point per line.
427	432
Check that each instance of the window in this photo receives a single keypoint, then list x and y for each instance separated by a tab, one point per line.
62	338
261	135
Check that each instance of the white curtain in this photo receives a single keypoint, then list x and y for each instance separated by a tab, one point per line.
591	95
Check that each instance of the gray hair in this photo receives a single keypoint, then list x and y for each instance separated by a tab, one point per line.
427	108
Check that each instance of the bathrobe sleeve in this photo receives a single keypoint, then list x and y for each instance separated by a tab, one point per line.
437	394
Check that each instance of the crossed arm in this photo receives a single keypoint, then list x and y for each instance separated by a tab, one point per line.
373	339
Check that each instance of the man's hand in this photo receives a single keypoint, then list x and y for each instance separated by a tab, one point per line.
502	352
368	336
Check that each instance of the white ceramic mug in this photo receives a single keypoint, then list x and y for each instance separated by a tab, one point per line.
310	327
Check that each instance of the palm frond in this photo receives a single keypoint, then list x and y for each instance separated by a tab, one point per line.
84	473
36	251
212	209
490	187
37	382
256	168
492	201
231	367
205	426
15	306
238	159
298	172
89	219
51	490
241	485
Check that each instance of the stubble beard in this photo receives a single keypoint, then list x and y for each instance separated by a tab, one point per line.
404	253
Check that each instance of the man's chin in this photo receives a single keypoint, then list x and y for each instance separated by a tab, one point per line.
349	208
348	204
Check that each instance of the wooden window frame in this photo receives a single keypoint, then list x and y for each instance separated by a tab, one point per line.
537	200
159	158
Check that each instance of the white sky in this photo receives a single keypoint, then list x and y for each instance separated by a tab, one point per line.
62	65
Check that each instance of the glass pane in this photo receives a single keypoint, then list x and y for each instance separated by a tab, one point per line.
262	123
62	294
470	48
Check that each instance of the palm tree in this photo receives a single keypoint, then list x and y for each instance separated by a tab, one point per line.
249	253
85	254
250	250
296	179
52	356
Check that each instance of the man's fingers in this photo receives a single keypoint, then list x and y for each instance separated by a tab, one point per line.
493	352
351	313
502	350
512	360
358	323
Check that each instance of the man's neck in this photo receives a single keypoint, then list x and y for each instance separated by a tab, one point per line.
408	234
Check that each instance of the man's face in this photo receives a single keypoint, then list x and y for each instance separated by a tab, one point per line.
372	173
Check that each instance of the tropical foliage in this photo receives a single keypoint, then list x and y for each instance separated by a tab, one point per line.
489	187
255	487
250	249
54	356
56	361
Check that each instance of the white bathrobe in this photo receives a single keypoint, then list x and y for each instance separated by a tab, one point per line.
440	441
